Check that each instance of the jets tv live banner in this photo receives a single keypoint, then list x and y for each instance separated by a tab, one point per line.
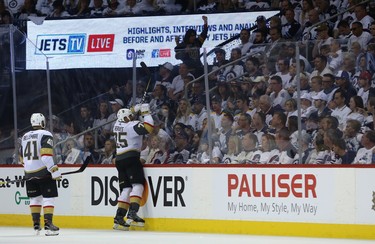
112	42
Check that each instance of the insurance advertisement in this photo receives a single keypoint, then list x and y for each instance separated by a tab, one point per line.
113	42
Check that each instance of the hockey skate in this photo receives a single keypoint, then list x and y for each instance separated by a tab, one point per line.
120	224
51	229
37	228
134	220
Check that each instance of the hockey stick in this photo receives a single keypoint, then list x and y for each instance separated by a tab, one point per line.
81	169
148	73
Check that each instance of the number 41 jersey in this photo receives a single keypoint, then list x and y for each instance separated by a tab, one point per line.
34	145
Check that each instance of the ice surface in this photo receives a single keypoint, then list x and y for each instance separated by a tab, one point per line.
26	236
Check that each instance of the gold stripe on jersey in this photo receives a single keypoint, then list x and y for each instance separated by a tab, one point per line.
48	209
35	171
135	199
46	152
35	208
148	127
123	205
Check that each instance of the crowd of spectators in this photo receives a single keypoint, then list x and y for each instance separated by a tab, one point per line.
257	113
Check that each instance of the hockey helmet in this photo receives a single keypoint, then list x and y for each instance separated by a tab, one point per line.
124	113
38	120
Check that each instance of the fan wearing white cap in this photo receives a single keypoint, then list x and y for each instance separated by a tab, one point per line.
306	105
165	75
320	102
116	105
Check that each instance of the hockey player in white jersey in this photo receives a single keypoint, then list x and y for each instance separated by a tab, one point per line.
128	133
41	173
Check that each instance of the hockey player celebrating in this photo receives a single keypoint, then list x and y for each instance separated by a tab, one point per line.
41	173
128	133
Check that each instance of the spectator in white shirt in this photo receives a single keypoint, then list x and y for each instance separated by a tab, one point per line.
360	36
341	111
365	154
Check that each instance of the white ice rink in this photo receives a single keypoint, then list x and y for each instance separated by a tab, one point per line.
26	236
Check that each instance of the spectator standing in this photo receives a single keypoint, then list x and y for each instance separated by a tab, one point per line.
188	51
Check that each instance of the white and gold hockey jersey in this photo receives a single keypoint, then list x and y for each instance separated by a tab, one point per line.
37	153
129	137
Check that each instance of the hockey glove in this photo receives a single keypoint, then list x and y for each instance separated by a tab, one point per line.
55	172
145	108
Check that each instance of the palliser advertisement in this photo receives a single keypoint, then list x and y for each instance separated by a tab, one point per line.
271	194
